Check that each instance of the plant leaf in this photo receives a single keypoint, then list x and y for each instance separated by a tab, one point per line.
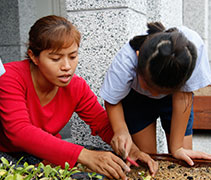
5	161
9	177
2	172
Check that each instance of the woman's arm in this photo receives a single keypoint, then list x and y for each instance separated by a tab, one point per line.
104	162
19	133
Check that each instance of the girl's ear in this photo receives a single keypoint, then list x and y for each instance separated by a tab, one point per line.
32	57
137	53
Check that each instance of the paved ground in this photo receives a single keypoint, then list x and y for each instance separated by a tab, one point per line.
202	140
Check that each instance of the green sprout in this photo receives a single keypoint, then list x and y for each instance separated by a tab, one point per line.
10	171
94	175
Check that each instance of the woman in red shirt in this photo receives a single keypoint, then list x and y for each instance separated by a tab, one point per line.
39	95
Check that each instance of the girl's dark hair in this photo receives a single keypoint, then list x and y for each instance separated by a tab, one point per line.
52	32
166	57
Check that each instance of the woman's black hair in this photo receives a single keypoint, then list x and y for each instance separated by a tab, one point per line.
166	57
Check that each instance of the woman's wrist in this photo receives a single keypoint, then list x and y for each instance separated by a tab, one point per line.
83	155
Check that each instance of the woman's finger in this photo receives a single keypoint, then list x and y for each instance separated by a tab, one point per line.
117	166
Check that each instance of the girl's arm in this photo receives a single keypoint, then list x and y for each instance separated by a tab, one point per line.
181	105
182	102
121	141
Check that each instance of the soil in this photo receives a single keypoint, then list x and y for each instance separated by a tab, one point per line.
172	171
169	170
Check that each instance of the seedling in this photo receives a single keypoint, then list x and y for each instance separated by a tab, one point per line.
143	175
10	171
94	175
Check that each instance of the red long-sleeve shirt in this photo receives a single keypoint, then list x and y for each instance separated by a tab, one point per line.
27	126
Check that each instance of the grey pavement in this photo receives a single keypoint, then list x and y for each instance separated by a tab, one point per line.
202	140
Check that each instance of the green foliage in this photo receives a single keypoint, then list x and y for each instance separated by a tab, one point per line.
144	176
9	171
94	175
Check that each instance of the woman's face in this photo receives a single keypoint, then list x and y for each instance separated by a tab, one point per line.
58	67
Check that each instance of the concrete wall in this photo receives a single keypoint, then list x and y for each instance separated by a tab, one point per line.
16	18
196	16
105	27
165	11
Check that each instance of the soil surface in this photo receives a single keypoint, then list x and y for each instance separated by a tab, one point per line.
172	171
169	170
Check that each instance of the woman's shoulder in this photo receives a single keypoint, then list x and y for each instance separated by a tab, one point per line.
17	67
17	75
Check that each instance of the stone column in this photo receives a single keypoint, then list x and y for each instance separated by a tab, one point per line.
196	17
168	12
105	26
9	30
16	17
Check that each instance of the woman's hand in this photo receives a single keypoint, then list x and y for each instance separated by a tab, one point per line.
187	155
135	154
104	163
121	143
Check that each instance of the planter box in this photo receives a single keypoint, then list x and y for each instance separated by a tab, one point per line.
202	109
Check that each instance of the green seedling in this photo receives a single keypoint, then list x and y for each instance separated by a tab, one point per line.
10	171
94	175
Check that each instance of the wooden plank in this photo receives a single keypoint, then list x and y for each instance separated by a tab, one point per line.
202	112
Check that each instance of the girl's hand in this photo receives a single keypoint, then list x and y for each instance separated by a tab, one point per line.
135	154
187	155
104	163
121	143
